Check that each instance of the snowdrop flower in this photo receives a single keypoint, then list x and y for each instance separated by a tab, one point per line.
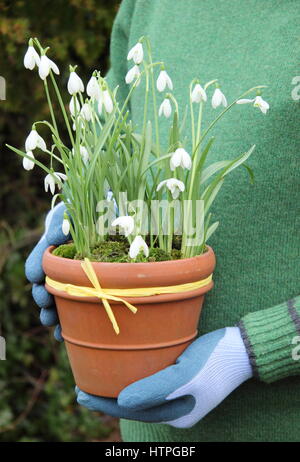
74	106
107	102
100	105
45	66
136	53
51	179
75	84
164	81
165	108
65	227
93	88
218	99
175	186
126	222
133	74
198	94
33	141
27	163
138	245
180	158
258	102
31	58
86	112
84	154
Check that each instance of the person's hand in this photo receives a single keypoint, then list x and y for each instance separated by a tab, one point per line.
53	235
182	394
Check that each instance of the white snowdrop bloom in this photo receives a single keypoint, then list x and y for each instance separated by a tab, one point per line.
107	102
27	163
136	53
218	99
138	245
33	141
100	105
164	81
31	58
165	108
74	106
86	112
75	84
180	158
175	186
84	154
257	102
133	74
198	94
51	179
126	223
65	227
93	88
45	66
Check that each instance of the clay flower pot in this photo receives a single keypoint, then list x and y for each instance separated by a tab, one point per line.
102	362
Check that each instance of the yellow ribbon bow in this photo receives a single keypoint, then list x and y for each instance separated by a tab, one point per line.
114	294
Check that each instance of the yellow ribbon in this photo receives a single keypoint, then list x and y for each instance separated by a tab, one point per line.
116	294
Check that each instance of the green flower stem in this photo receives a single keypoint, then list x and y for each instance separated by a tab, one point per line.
62	107
50	106
148	45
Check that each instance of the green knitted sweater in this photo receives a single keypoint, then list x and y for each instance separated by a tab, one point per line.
243	44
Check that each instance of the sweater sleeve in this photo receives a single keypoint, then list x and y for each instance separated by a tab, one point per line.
119	47
272	339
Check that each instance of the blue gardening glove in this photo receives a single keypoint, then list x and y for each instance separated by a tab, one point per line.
182	394
53	235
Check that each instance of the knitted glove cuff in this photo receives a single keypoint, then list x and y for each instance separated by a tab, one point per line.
271	337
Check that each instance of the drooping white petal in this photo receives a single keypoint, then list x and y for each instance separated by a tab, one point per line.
133	74
65	227
45	66
107	102
61	176
53	67
245	101
198	94
261	104
164	81
218	99
161	184
165	108
125	222
51	179
86	112
74	106
33	141
180	158
138	245
49	182
136	53
27	163
84	154
75	84
100	105
40	143
31	58
175	186
93	88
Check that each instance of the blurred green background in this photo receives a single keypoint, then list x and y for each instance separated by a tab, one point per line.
37	400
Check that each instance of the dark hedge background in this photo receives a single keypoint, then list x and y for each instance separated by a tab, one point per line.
36	387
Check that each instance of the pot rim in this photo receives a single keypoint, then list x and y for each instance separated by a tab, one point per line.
139	265
127	275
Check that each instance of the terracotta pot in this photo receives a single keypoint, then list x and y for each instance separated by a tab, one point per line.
102	362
